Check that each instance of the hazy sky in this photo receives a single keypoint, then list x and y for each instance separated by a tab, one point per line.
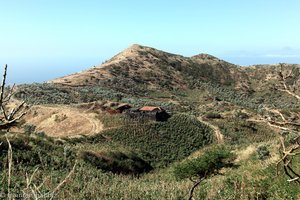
44	39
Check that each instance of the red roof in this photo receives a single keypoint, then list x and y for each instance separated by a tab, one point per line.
150	108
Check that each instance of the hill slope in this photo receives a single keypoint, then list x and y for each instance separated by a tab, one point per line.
210	100
151	69
141	68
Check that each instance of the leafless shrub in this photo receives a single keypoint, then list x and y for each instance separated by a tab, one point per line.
9	118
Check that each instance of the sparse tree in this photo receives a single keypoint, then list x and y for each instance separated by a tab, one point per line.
203	167
9	114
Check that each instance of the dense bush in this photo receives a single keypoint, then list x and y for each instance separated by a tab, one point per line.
201	168
246	99
83	139
44	94
34	151
55	94
161	143
116	162
291	137
205	165
238	131
262	184
29	128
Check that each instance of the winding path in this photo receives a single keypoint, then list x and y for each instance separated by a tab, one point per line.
218	134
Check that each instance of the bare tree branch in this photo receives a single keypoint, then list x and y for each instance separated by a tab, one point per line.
282	79
8	118
9	94
2	87
288	151
196	184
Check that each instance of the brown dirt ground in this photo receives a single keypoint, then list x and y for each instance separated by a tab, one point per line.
219	136
63	121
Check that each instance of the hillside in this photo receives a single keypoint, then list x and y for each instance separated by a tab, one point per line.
151	69
71	127
143	68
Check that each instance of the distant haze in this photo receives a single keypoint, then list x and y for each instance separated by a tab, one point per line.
42	40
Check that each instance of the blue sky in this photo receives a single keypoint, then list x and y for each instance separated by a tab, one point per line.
42	39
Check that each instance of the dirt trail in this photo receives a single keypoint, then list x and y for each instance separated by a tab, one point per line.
218	134
97	126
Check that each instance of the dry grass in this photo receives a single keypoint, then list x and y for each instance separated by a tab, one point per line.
138	61
9	155
244	154
63	121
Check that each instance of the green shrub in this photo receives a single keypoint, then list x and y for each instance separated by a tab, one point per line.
208	164
205	165
116	162
291	137
34	151
29	129
263	152
262	184
162	143
241	115
238	131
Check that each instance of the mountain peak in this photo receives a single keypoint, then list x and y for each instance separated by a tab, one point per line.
152	68
138	53
131	51
136	46
205	56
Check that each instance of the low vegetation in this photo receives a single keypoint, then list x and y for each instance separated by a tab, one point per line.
146	159
200	168
263	152
116	162
238	131
251	177
162	143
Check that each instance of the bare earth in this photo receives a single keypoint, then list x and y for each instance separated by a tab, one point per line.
63	121
218	134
